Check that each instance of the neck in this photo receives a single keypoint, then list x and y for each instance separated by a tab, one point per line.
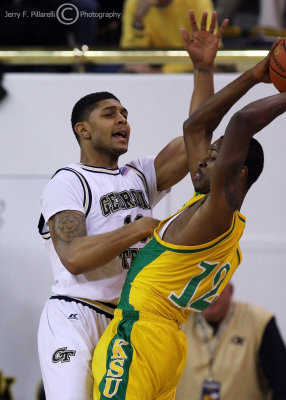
215	321
99	160
218	319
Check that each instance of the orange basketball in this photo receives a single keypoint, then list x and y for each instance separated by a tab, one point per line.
277	66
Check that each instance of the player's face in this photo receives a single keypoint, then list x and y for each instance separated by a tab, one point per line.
110	130
202	175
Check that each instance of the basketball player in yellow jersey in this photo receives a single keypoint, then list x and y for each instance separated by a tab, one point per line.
191	256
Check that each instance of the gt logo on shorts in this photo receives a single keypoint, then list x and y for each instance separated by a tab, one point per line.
115	368
62	355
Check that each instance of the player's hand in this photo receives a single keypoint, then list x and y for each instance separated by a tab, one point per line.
202	48
143	8
147	225
261	70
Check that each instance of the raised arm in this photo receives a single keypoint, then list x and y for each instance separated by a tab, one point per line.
199	127
202	49
242	127
171	163
80	253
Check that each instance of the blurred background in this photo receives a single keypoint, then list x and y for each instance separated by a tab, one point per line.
53	53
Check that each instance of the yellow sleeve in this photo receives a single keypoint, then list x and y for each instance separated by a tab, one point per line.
131	37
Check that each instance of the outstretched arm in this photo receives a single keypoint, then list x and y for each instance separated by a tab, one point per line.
202	50
242	127
226	190
171	163
205	120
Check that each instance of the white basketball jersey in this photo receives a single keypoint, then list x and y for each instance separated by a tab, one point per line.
109	198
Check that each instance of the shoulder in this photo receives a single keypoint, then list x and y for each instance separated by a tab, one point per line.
142	167
68	170
142	163
255	313
65	178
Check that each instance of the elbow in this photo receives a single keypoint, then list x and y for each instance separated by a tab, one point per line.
72	262
197	124
241	124
188	125
75	262
242	120
72	266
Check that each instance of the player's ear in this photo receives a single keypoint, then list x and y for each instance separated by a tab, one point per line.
243	172
82	129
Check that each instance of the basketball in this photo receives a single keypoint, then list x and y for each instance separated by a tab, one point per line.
277	66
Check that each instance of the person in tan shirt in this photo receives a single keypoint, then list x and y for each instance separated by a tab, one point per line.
235	351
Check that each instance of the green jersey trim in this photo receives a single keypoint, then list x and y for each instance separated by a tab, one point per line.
189	249
150	252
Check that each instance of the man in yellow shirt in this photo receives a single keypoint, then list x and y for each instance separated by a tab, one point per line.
156	24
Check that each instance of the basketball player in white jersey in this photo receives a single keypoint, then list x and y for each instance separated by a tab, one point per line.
95	218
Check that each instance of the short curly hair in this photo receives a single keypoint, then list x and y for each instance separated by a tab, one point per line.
86	105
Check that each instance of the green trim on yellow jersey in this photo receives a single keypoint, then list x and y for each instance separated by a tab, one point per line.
200	247
193	258
195	249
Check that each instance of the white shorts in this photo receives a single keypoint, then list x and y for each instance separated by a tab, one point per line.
68	333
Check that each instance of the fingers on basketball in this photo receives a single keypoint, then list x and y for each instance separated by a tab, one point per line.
277	66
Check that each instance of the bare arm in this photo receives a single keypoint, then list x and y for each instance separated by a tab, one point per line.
202	50
205	120
228	185
226	193
171	163
239	132
80	253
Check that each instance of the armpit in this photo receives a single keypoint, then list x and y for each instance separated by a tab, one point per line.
232	196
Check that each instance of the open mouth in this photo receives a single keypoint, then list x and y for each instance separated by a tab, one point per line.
197	174
122	135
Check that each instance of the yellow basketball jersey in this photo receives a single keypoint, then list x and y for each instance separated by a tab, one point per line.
172	280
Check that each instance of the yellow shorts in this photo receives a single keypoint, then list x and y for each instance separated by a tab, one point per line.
140	356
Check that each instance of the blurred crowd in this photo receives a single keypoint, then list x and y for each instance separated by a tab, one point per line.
134	24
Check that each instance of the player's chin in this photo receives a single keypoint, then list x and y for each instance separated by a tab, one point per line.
201	187
121	150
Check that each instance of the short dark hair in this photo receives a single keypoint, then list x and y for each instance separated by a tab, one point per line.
254	161
84	106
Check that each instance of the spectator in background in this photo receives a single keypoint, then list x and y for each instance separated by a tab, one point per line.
235	349
226	8
149	24
272	14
